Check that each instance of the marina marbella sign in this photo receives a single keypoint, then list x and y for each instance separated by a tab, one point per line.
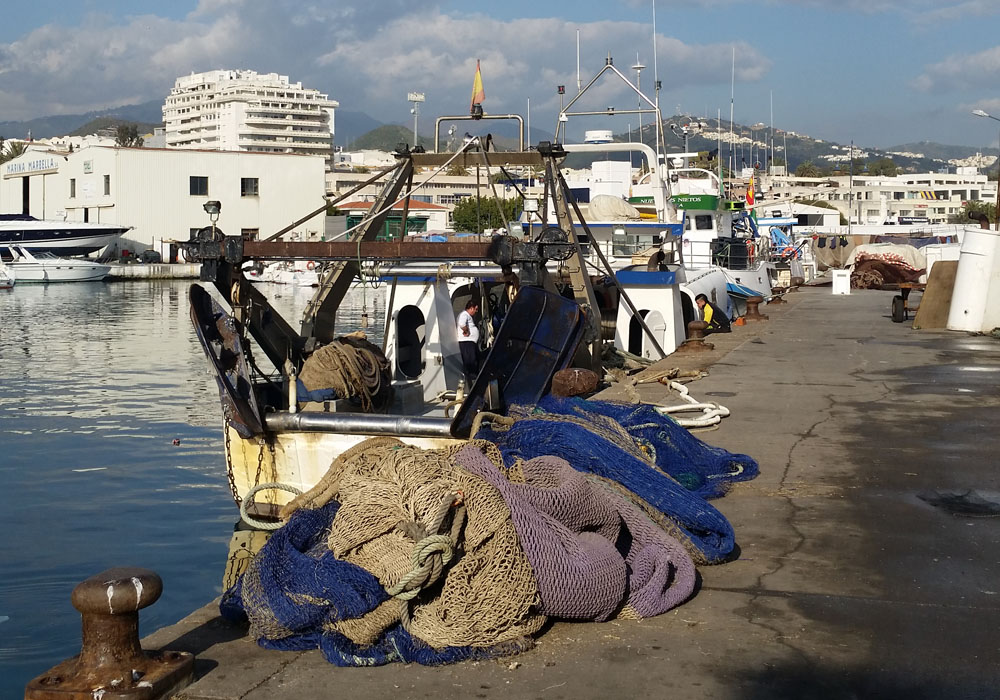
34	166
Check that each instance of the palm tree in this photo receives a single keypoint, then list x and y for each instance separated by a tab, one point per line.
13	150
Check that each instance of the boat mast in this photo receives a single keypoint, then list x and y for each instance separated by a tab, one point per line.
732	104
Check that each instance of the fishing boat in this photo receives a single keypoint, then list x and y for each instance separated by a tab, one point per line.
709	241
64	238
41	266
280	429
326	433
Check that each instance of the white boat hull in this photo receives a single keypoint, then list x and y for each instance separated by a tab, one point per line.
26	266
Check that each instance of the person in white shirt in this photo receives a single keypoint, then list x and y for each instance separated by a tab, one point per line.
468	341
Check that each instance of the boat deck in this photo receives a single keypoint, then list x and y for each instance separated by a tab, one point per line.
860	573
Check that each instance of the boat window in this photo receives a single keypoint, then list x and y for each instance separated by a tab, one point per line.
410	338
703	222
199	185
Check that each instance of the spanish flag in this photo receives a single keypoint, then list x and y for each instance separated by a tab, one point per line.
750	193
478	95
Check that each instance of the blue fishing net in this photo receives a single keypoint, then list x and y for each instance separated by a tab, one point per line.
295	587
618	442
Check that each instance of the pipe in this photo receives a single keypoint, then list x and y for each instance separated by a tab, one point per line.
484	271
359	424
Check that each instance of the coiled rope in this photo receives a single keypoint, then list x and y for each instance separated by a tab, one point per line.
248	499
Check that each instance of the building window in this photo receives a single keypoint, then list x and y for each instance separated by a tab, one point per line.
107	184
250	234
199	185
249	187
72	187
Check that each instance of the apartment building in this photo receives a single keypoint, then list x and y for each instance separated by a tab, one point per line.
931	198
242	110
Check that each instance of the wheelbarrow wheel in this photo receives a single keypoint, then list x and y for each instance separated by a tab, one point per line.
898	309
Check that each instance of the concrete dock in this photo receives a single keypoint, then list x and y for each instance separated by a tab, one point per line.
154	271
870	542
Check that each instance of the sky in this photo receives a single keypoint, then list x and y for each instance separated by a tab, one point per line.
876	72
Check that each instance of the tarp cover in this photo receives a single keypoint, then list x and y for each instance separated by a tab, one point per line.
605	207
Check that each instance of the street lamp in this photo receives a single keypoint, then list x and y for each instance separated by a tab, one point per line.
213	208
981	113
415	98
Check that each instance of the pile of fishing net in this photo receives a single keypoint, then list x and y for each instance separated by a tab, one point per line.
349	367
571	509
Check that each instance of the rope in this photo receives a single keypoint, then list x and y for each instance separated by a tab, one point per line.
245	503
353	368
432	552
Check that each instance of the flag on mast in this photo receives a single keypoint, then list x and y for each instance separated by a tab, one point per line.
750	192
478	95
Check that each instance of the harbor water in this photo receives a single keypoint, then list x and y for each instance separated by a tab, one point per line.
111	440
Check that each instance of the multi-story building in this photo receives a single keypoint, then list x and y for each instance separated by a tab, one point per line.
242	110
923	198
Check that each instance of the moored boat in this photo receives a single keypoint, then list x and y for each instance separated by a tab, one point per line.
35	266
66	238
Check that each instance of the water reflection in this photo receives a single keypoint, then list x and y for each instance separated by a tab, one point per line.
97	381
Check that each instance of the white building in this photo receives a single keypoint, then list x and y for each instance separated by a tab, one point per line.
923	198
160	193
241	110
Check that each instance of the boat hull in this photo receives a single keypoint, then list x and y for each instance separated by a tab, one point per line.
41	274
70	240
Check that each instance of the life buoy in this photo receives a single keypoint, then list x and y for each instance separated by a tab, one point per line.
789	252
310	266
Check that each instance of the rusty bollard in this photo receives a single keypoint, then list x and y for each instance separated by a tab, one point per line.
111	664
796	282
776	298
753	314
695	338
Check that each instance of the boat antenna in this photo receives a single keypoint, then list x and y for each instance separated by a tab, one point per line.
771	161
529	122
656	96
579	83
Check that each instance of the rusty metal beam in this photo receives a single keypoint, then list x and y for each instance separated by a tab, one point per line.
350	250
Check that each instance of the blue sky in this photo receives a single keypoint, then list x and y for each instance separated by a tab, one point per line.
879	72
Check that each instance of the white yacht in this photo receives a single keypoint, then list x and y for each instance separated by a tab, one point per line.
70	238
28	266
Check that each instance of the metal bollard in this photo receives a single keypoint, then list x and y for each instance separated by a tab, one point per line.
777	298
796	282
753	313
111	664
695	338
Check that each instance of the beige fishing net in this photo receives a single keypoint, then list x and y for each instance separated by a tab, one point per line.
476	588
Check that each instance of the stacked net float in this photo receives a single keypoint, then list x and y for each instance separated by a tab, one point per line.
568	510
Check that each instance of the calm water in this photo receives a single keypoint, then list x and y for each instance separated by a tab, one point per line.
96	382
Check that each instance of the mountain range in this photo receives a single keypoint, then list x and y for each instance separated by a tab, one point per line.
357	130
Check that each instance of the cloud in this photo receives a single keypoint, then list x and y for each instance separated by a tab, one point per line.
523	59
961	72
367	55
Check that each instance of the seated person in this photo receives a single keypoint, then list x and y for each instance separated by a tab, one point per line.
716	319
